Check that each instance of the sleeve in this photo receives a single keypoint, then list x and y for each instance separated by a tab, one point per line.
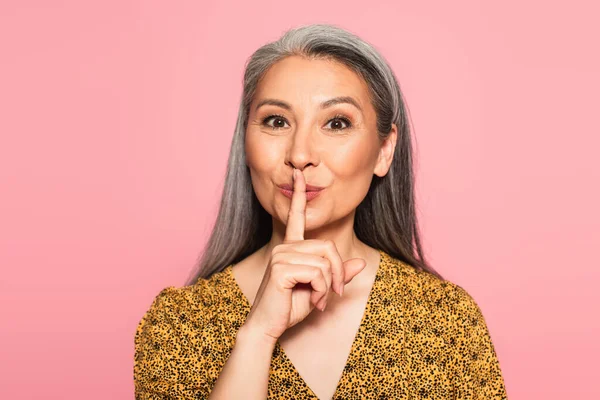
475	370
166	366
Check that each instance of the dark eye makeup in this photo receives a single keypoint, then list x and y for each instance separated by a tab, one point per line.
274	117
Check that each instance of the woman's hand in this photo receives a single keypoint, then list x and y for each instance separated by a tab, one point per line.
299	275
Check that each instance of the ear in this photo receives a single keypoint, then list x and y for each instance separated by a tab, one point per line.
386	153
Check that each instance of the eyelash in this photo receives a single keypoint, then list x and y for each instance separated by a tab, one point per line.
338	117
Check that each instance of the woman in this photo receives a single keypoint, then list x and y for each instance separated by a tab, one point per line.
317	212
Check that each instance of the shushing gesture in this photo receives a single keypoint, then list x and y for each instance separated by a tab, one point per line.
300	274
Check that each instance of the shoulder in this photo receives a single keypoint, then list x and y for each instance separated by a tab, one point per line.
181	327
435	296
437	308
187	307
446	321
169	314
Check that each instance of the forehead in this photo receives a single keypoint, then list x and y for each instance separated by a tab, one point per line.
298	79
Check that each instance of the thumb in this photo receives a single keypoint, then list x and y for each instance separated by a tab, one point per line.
353	267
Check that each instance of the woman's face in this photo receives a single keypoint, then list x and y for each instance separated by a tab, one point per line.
334	144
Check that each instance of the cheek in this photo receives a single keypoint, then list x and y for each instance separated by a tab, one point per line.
352	162
261	155
353	172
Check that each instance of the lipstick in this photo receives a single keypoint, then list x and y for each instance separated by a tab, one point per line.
311	191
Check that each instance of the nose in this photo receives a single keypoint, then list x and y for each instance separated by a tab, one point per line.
302	150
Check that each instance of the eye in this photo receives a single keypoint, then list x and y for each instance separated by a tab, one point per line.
278	120
338	123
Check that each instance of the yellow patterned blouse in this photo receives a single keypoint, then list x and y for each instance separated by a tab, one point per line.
420	338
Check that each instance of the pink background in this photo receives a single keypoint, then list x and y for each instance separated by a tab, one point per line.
116	120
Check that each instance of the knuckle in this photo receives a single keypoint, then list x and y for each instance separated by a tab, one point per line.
317	272
276	267
278	249
275	259
295	210
274	256
325	263
330	244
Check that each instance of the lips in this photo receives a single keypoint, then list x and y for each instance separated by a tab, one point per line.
309	188
310	194
312	191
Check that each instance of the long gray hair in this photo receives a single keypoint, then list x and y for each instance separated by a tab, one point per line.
385	219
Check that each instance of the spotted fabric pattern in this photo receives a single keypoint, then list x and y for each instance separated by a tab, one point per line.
420	338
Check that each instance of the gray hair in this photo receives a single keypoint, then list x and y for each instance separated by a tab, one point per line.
385	219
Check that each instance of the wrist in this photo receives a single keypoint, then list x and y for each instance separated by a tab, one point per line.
250	334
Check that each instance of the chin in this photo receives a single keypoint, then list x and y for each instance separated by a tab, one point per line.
316	220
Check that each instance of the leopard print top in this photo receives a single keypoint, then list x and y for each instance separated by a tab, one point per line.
420	338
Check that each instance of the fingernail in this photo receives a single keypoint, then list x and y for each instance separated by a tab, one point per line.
321	305
341	290
294	175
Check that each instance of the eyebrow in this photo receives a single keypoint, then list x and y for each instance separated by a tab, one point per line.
325	104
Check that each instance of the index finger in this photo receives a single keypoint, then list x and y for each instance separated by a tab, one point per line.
294	230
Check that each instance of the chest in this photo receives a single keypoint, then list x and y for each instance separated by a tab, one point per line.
320	346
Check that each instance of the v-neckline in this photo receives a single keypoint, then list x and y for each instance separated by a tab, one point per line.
356	343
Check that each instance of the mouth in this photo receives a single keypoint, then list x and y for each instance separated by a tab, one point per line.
311	191
309	188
